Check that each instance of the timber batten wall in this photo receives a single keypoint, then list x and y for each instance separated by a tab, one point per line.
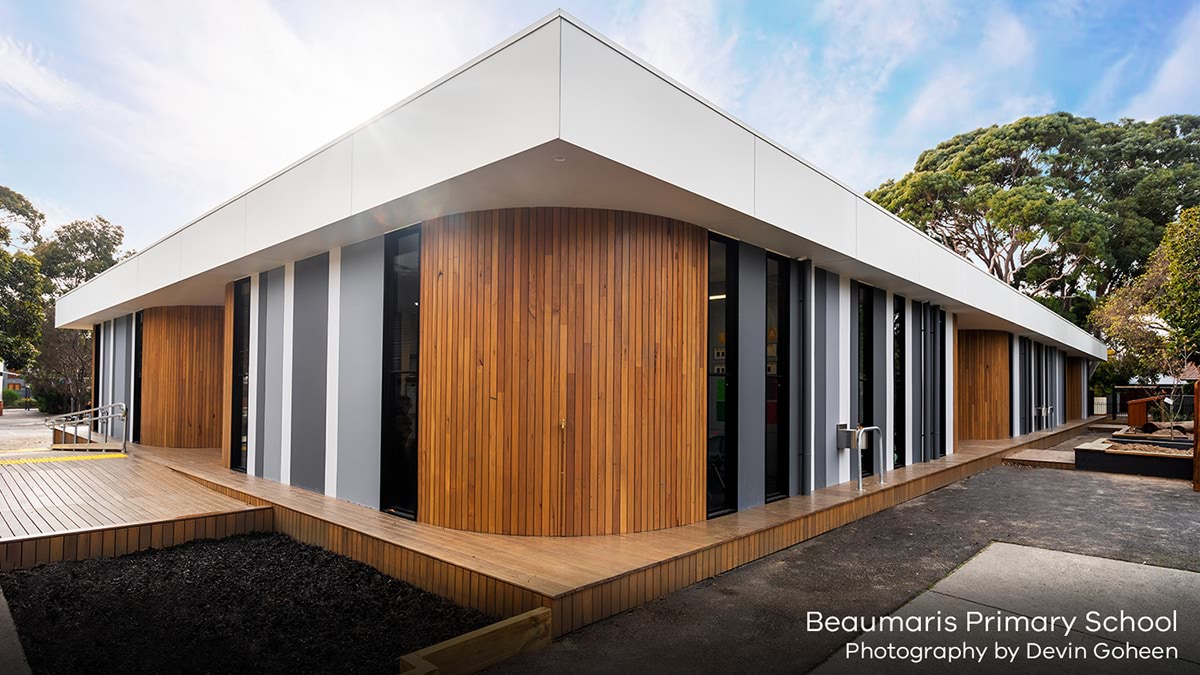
982	385
562	387
182	376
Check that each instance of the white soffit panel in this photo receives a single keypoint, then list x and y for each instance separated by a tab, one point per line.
613	106
498	107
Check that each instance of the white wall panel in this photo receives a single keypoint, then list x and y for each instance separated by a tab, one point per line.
613	106
502	105
216	239
885	244
158	265
790	195
310	195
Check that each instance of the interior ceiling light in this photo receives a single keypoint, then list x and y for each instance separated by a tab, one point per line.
559	158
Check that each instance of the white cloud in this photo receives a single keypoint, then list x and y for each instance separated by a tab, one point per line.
26	81
689	41
212	96
204	99
824	102
994	84
1006	42
1175	88
1104	93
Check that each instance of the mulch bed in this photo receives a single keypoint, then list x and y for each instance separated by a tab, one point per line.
253	603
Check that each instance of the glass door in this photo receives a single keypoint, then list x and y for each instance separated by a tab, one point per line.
401	346
776	459
866	372
240	424
722	358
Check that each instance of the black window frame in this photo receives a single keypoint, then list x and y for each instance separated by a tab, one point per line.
394	486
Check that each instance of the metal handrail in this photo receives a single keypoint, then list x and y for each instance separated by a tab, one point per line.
851	439
102	415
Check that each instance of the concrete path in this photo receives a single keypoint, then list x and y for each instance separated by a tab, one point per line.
1006	583
20	429
753	619
12	657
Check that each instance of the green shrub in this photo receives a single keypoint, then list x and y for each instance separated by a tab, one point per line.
11	396
30	402
53	402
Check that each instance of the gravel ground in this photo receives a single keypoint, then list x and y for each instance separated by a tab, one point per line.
254	603
753	618
20	429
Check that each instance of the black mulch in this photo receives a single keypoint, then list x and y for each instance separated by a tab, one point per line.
254	603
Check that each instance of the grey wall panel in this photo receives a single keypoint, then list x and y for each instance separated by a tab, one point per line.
104	396
752	375
880	363
270	358
260	336
826	379
310	345
122	365
797	406
360	372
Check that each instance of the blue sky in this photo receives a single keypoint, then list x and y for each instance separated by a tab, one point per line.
151	113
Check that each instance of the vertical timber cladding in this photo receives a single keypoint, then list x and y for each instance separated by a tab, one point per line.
183	378
562	372
982	384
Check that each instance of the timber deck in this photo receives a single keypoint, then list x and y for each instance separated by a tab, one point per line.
57	505
582	579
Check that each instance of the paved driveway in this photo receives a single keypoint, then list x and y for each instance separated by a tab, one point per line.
752	619
20	429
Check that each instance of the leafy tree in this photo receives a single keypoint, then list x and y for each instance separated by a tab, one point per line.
1153	322
79	251
1059	206
1146	174
21	287
15	209
73	254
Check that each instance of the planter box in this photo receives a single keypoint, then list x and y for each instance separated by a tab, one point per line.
1140	464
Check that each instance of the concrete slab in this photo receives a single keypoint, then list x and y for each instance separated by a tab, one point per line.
1014	585
1015	658
1036	581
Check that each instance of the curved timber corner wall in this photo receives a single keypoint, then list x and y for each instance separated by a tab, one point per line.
983	385
562	372
182	349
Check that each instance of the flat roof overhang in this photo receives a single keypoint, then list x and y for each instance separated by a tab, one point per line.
492	134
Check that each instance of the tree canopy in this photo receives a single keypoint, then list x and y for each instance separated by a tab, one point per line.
1153	322
79	251
71	255
21	283
56	363
1058	206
